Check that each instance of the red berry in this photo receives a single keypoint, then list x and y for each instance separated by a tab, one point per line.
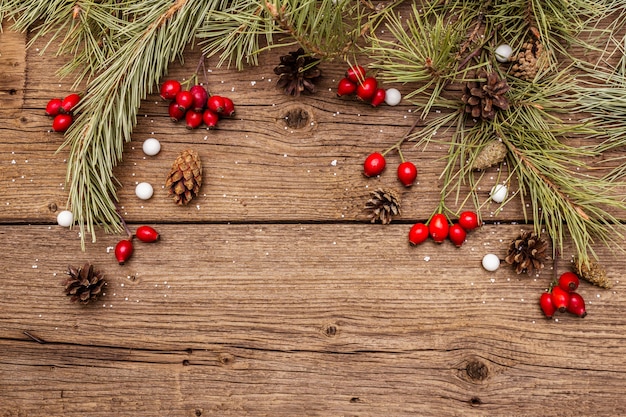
438	227
69	102
418	234
62	122
345	87
379	97
176	111
569	281
123	251
200	97
193	119
560	299
576	305
184	99
366	90
374	164
457	235
169	89
216	104
546	304
229	107
210	118
469	220
407	173
53	107
147	234
355	74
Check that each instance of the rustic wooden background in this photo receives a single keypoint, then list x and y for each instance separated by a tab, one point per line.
271	294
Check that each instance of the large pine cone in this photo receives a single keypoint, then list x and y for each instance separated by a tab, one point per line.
297	72
185	177
383	205
527	253
483	98
84	284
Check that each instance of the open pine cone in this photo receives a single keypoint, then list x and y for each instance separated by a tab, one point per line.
527	253
383	205
185	177
297	73
528	61
84	284
483	98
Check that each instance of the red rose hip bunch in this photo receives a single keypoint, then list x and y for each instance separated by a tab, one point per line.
365	88
63	111
438	228
563	297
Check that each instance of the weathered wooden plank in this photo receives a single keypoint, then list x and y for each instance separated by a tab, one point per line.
13	70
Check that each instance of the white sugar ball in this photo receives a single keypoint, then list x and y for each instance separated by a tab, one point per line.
144	190
151	146
504	53
491	262
499	192
392	97
65	218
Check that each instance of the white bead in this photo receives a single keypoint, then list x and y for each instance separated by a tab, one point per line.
491	262
144	190
503	53
392	97
498	193
151	146
65	218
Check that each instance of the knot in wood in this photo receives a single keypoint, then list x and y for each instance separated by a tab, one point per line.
477	370
296	118
330	330
52	207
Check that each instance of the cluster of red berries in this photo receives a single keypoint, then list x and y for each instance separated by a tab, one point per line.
124	248
195	105
62	111
563	297
438	228
375	163
365	88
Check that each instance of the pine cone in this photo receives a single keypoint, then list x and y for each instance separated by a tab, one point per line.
383	205
491	154
84	284
185	177
528	61
593	272
527	253
483	98
297	73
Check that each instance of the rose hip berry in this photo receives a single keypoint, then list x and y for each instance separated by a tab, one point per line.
123	251
378	98
210	118
346	87
457	235
469	220
229	107
407	173
438	227
69	102
374	164
147	234
169	89
546	304
576	305
62	122
193	119
176	112
185	99
418	234
569	281
53	107
216	104
355	74
560	299
200	97
366	89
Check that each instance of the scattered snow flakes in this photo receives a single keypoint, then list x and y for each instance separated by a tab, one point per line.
333	162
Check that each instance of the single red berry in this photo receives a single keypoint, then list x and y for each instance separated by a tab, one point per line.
53	107
546	304
374	164
469	220
576	305
123	251
62	122
216	104
379	97
569	281
184	99
355	74
457	235
229	107
407	173
200	96
176	111
193	119
438	227
560	298
169	89
210	118
69	102
366	90
147	234
418	233
346	87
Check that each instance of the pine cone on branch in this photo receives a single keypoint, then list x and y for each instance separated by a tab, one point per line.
527	253
492	153
297	73
593	272
185	177
528	61
483	98
383	205
84	284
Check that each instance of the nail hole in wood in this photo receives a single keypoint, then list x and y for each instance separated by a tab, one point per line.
330	330
23	119
185	362
52	207
475	401
355	400
477	370
198	412
13	91
296	118
189	351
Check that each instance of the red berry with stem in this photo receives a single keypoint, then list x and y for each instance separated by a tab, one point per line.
378	98
546	304
193	119
576	305
53	107
418	234
216	104
200	97
569	281
346	87
69	102
62	122
147	234
229	107
560	298
123	251
176	112
210	118
374	164
457	235
469	220
355	74
366	89
438	227
184	99
169	89
407	173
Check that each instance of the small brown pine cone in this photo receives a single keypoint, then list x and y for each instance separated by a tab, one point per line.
84	284
383	205
297	73
528	61
185	177
483	98
593	272
491	154
527	253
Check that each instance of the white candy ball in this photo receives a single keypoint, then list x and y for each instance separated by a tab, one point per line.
65	218
151	146
491	262
144	190
503	53
392	97
499	193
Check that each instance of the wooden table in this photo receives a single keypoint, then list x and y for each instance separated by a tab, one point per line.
271	294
